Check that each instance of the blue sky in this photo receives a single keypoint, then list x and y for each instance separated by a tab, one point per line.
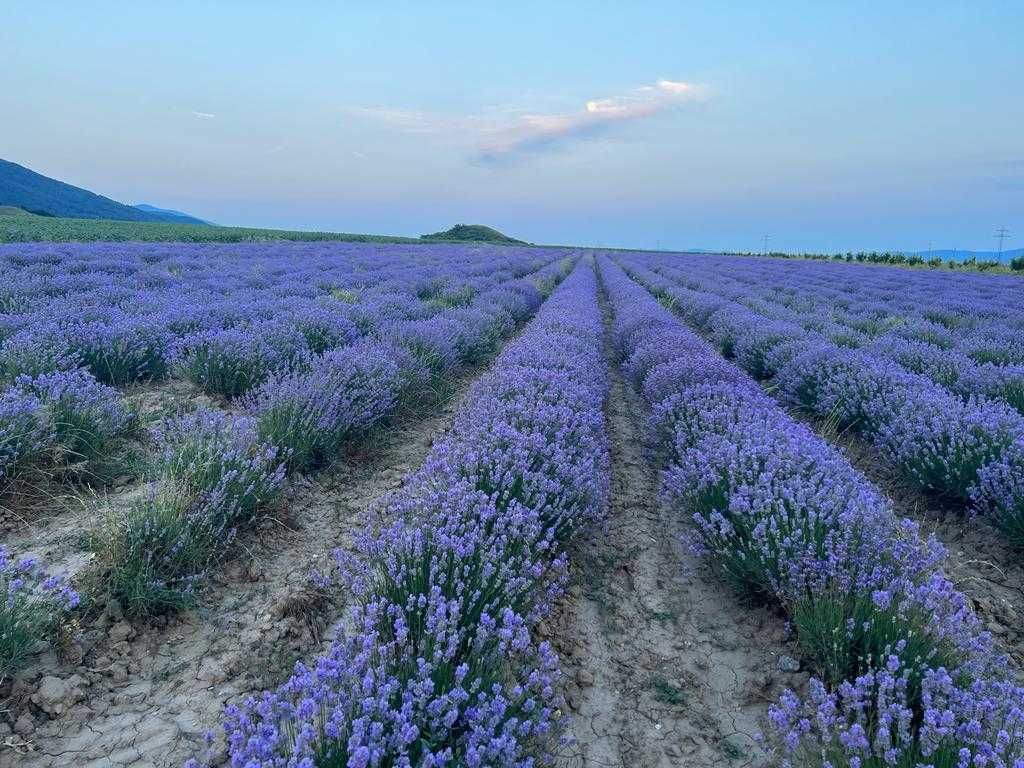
826	125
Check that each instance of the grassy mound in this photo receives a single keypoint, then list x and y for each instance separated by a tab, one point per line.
476	233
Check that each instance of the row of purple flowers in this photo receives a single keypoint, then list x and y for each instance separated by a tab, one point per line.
215	471
906	674
438	665
967	337
975	316
225	317
969	450
77	318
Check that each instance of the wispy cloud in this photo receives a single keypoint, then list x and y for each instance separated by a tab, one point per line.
404	120
204	115
503	133
531	133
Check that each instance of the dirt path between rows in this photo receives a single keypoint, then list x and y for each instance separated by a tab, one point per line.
144	694
666	666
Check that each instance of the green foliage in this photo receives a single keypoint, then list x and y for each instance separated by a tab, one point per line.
344	295
912	260
18	228
156	551
476	233
848	633
444	295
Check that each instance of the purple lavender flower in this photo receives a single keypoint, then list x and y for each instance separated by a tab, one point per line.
783	514
998	494
308	415
32	602
84	414
441	666
26	433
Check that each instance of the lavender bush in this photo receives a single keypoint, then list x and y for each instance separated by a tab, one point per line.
998	494
43	347
122	349
439	665
32	603
25	433
914	392
210	453
156	553
231	361
874	721
781	513
307	416
84	414
213	474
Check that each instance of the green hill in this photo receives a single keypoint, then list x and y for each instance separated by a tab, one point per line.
476	233
23	188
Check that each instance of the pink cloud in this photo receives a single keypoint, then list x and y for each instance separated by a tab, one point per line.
532	132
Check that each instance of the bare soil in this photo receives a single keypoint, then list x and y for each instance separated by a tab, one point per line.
666	666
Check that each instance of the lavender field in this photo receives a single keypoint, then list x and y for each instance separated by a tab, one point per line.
363	504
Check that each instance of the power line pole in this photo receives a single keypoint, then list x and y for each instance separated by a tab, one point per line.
765	241
1001	234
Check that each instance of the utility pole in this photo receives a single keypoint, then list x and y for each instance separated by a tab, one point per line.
1001	234
765	241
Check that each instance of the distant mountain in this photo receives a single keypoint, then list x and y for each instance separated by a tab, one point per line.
170	214
35	193
476	233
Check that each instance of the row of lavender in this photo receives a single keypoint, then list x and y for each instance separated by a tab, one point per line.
226	316
80	317
969	450
908	676
215	471
966	337
439	665
978	315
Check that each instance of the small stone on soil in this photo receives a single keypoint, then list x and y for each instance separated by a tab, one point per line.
788	664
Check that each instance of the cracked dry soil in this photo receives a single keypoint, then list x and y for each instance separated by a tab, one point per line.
666	666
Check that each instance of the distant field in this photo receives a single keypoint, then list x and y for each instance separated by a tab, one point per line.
17	226
668	475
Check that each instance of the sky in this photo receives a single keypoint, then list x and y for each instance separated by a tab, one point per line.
825	126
